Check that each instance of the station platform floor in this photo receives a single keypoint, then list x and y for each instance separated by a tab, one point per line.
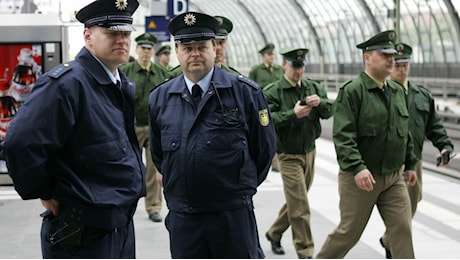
436	226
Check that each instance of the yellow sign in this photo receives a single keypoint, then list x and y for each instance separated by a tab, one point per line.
152	25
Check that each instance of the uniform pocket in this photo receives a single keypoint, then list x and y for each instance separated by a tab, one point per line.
102	152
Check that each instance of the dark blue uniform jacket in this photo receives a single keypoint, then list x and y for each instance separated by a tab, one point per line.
74	141
214	158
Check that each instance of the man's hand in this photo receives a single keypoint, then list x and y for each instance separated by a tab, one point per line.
51	205
159	179
410	177
301	111
313	100
364	180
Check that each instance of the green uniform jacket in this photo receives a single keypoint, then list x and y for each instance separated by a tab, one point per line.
145	82
368	132
263	76
425	121
176	71
296	136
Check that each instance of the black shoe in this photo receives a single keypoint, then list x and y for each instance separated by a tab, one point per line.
277	249
387	251
155	217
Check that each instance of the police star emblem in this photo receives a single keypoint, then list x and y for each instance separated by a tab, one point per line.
121	4
189	19
263	117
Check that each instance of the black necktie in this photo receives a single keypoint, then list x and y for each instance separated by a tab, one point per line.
385	92
196	94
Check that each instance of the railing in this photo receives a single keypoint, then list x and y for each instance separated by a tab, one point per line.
439	87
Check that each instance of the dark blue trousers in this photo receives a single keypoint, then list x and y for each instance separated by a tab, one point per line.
60	239
224	234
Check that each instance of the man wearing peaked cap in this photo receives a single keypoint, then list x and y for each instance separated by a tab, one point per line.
192	27
267	71
212	137
423	124
403	52
295	57
225	27
163	49
115	15
164	56
297	105
370	154
88	170
146	40
146	75
269	48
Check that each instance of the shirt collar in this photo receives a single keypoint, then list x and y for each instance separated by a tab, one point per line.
204	83
292	83
379	83
113	77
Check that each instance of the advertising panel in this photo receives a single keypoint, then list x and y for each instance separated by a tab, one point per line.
20	66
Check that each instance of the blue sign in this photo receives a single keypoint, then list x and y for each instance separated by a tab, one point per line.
177	7
158	26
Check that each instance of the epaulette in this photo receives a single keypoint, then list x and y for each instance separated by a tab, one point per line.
346	83
60	70
234	70
314	80
157	86
175	68
248	81
269	86
424	90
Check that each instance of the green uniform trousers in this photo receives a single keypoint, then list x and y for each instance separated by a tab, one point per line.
297	172
153	199
356	205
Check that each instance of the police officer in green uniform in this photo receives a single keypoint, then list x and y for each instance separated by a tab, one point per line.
266	72
225	27
297	105
372	142
146	75
164	56
424	121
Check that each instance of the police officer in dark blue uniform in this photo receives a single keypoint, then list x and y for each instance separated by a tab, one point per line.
73	143
213	140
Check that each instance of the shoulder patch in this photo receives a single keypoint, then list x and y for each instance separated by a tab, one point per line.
248	81
60	70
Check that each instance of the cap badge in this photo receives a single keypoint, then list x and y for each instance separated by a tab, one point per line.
219	20
391	36
299	54
400	47
121	4
189	19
